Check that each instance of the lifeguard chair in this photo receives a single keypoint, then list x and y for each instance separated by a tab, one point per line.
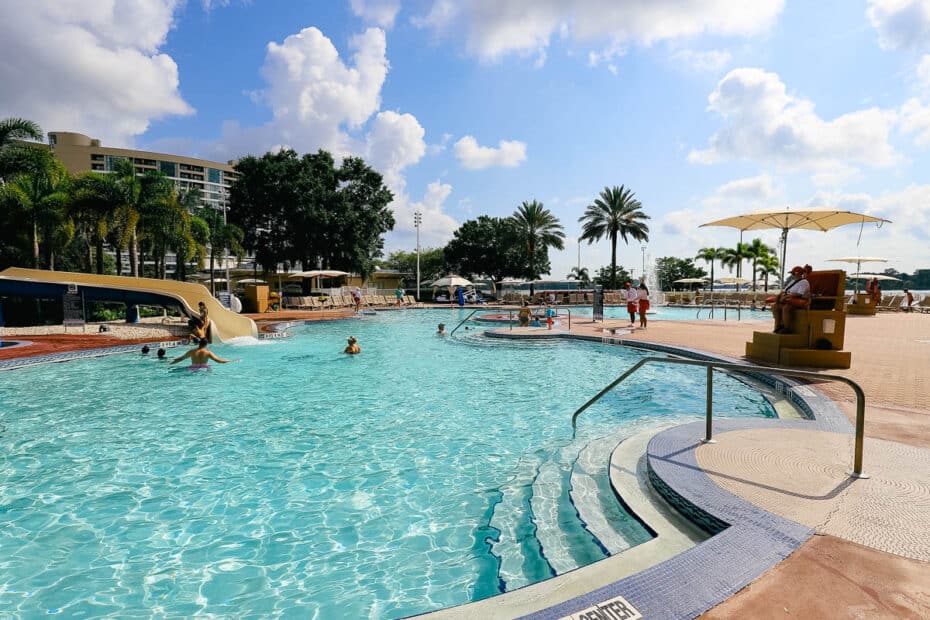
817	332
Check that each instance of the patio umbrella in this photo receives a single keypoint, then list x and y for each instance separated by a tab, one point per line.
690	281
450	281
729	280
320	274
786	219
858	260
869	276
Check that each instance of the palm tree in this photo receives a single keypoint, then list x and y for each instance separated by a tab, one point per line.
756	251
615	212
540	230
223	237
580	274
767	266
42	192
95	203
734	257
140	194
710	255
12	131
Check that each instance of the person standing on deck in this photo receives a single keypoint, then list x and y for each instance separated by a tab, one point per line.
643	299
632	302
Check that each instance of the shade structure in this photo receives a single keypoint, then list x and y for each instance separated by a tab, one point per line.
450	281
320	273
690	281
733	281
858	260
869	276
787	219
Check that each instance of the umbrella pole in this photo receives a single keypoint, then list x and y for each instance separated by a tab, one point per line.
784	249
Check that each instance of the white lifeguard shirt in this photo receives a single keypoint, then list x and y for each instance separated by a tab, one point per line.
632	294
801	287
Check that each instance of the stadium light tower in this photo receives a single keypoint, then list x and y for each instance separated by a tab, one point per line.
417	221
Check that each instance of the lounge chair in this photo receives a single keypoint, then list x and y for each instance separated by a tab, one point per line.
923	305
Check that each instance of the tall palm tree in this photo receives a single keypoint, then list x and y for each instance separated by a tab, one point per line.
709	255
41	191
757	250
95	203
223	237
734	257
616	212
141	193
767	266
539	230
12	131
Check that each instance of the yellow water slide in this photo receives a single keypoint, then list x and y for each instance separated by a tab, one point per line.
226	324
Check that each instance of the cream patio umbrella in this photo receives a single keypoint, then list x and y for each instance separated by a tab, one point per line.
786	219
858	260
870	276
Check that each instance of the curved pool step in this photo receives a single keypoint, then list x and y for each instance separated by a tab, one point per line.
598	507
566	542
521	558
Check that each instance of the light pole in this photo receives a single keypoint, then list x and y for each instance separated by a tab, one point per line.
417	221
644	264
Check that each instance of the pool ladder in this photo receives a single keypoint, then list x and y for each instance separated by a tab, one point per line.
744	368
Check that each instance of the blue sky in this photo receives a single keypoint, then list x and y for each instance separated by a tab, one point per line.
705	109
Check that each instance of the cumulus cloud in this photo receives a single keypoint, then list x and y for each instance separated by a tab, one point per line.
379	12
754	191
494	29
901	24
764	123
915	119
89	67
508	154
437	226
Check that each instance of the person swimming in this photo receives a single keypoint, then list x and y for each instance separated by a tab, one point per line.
200	357
441	331
161	354
352	347
145	349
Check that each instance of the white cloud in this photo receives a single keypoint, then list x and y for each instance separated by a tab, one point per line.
437	226
915	119
94	68
509	153
708	61
764	123
754	191
494	29
394	142
901	24
379	12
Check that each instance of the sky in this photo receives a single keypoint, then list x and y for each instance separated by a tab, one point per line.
705	109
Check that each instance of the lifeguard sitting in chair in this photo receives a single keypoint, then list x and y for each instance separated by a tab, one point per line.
796	295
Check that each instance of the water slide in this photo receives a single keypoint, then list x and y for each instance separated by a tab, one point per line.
143	291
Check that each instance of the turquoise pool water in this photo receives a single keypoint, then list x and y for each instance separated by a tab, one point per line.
311	484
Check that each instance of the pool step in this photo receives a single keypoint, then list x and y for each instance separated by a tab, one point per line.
595	501
521	559
565	541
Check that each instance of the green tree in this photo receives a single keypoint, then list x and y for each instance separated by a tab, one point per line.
766	266
734	257
609	274
40	193
616	212
538	230
756	251
710	255
671	268
12	152
432	263
580	274
486	247
223	238
94	201
142	193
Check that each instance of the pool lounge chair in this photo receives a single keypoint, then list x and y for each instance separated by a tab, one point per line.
922	306
890	303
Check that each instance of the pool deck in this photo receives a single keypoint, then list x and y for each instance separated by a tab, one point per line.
869	550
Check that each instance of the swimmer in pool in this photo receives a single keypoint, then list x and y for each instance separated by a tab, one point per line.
352	347
200	356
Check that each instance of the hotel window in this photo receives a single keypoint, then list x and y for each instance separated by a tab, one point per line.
112	159
168	168
214	175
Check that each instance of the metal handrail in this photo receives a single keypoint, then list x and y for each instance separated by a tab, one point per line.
711	365
464	320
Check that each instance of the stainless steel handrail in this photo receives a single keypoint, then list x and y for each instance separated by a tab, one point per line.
710	365
463	320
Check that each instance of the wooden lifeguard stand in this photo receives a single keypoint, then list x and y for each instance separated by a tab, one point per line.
817	333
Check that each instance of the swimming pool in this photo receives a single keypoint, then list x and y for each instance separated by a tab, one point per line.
425	472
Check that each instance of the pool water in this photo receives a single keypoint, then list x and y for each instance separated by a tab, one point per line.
312	484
